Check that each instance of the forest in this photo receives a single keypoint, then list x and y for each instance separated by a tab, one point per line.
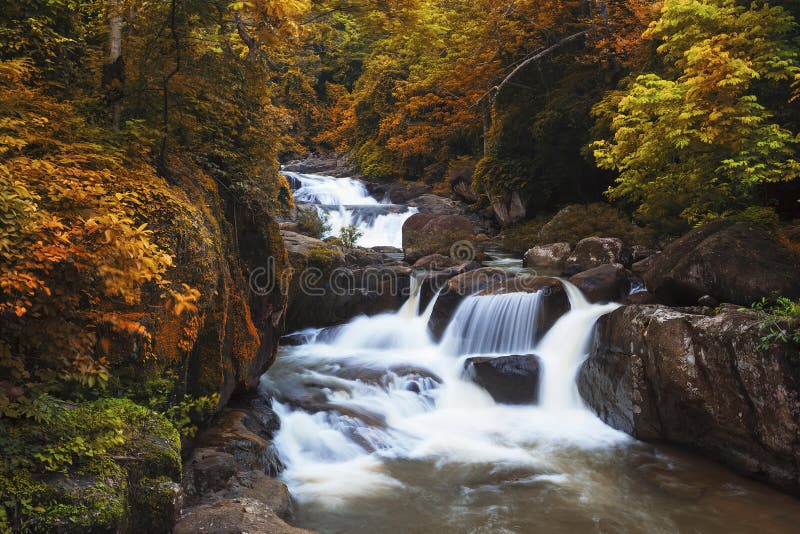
141	187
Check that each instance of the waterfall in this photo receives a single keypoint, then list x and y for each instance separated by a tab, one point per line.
379	390
494	324
346	201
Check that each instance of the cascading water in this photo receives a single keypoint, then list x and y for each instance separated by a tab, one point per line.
346	201
382	432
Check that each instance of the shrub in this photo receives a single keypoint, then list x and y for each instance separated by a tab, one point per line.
349	235
574	223
322	257
762	215
313	223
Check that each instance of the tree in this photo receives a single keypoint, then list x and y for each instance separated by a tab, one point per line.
695	142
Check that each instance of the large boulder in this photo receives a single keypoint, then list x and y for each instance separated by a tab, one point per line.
331	284
233	516
227	480
508	209
595	251
551	256
554	300
508	379
737	262
459	287
397	192
425	234
435	262
606	283
704	382
460	181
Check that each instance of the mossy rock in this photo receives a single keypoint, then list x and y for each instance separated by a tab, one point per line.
102	466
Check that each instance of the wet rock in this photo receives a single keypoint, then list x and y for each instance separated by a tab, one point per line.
595	251
332	285
326	164
397	192
701	381
257	485
606	283
425	234
553	255
435	262
211	470
737	262
386	249
457	288
640	253
640	297
233	516
508	379
438	205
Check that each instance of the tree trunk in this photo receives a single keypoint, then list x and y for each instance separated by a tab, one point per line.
114	69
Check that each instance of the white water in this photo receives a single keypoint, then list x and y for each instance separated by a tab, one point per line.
346	201
375	365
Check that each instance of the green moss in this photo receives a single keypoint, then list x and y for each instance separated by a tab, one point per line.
79	468
322	257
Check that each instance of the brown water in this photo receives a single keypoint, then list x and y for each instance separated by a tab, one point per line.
382	432
636	488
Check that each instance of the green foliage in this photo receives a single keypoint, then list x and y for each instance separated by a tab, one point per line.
313	222
349	235
762	215
573	223
161	395
67	468
780	319
322	257
693	144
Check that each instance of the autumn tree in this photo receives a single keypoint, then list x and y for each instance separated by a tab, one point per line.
695	141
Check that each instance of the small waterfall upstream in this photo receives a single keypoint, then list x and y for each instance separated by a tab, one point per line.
346	201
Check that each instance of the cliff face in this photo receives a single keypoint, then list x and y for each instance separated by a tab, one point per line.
226	245
702	381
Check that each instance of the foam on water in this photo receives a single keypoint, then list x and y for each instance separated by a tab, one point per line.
389	367
347	201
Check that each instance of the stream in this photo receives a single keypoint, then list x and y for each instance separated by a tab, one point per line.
383	431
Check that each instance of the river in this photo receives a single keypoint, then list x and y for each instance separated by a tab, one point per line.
383	430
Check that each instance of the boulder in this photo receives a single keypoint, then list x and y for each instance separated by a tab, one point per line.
456	289
460	181
553	255
554	303
508	379
737	262
701	381
438	205
436	281
425	234
233	463
328	164
595	251
331	285
606	283
435	262
233	516
508	209
397	192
